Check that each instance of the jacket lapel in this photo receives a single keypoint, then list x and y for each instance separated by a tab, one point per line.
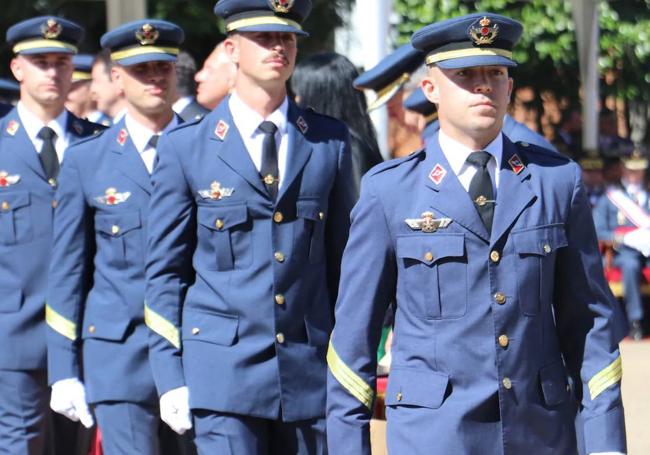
128	160
14	131
299	150
450	198
514	193
230	146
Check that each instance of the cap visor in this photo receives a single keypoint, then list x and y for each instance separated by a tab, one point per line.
46	50
144	58
482	60
272	28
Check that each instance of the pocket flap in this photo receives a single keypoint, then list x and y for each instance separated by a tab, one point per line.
117	224
216	328
223	217
541	241
553	380
413	387
14	200
431	248
307	208
104	328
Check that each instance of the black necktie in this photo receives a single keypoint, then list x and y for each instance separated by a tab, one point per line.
153	142
480	188
49	159
269	170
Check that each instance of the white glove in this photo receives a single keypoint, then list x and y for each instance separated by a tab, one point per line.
69	398
639	239
175	409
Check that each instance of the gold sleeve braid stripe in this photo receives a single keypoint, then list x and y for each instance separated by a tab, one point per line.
60	324
606	378
162	327
349	379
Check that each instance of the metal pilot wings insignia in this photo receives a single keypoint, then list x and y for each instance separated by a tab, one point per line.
216	192
427	223
112	197
8	180
482	32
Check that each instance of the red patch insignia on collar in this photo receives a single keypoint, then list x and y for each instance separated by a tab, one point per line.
121	137
221	130
302	124
516	164
437	174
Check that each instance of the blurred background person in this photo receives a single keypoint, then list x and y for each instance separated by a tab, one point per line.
388	80
9	91
323	82
110	102
427	114
593	178
216	78
79	101
185	104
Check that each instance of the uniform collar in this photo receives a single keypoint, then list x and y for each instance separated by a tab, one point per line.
457	153
181	104
33	124
248	121
141	135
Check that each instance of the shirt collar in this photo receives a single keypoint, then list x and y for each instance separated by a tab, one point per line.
141	135
248	121
33	124
181	104
457	153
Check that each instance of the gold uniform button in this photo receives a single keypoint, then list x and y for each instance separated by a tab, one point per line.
196	331
278	217
399	396
547	248
5	205
280	337
91	329
321	215
115	229
428	256
507	383
54	203
279	256
52	182
279	299
218	224
500	298
503	341
495	256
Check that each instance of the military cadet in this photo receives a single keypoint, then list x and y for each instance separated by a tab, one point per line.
216	78
500	290
593	178
254	201
97	339
33	139
185	103
622	218
79	101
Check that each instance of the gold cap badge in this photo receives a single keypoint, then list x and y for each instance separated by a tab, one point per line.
147	34
281	6
51	29
482	32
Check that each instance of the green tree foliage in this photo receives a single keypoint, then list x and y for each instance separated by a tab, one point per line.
547	51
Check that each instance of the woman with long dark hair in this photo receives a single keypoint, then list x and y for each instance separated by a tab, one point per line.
324	83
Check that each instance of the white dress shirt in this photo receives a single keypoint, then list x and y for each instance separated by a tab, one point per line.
181	104
457	153
33	125
141	135
248	121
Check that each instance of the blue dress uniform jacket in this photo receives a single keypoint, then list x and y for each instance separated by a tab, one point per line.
249	334
97	276
26	209
483	322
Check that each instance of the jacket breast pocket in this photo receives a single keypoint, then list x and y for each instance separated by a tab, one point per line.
433	275
15	218
309	233
120	238
225	237
536	249
413	387
210	327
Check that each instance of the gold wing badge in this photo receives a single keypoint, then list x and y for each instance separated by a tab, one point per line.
427	223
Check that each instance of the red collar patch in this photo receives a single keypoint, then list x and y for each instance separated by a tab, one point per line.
516	164
121	137
437	174
12	127
302	124
221	130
